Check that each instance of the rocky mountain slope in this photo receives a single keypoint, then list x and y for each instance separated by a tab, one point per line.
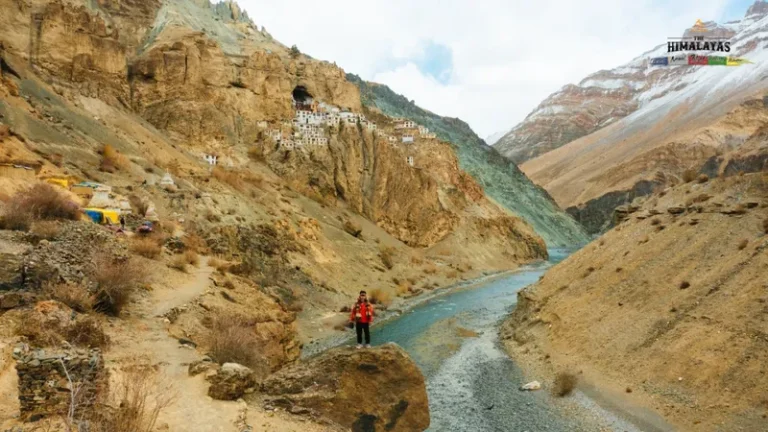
132	94
621	127
668	309
501	179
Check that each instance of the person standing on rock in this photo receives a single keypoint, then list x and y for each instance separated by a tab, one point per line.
362	316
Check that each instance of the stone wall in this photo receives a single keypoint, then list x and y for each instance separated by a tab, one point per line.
43	385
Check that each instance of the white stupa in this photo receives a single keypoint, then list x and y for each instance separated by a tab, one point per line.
167	180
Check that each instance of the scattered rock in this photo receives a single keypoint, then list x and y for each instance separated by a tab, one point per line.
353	228
531	386
375	389
187	342
231	382
204	366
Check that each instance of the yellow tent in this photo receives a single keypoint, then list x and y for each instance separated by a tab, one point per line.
103	216
58	181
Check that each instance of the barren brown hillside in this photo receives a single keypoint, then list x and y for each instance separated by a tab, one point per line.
670	308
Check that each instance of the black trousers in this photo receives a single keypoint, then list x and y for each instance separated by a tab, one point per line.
363	327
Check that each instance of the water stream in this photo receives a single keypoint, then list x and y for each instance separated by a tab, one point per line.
472	384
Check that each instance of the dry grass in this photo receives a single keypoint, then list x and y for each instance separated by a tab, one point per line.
379	297
403	288
232	178
743	244
220	265
256	154
387	255
765	225
45	230
195	243
178	262
139	205
40	202
146	247
73	295
112	160
191	258
689	175
430	269
416	260
232	340
136	401
117	281
564	384
86	331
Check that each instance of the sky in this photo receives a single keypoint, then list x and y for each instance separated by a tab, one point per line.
488	62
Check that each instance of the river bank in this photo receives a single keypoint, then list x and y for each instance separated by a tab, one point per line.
404	305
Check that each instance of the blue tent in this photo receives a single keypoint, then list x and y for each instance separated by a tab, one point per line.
94	215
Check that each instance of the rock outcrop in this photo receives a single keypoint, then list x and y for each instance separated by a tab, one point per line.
498	177
377	389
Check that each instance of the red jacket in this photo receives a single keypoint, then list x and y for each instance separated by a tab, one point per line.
362	313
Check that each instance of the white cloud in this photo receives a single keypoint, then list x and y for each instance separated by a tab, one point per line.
508	55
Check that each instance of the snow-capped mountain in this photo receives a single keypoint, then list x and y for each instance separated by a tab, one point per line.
610	95
492	138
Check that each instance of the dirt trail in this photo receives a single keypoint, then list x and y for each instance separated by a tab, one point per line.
143	338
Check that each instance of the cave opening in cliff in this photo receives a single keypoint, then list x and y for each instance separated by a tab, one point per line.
301	97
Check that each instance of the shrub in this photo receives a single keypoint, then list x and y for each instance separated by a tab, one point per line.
139	205
564	384
221	266
655	221
689	175
702	179
191	258
73	295
146	247
416	260
765	225
743	244
403	288
41	202
233	340
85	331
379	297
684	284
256	154
135	402
387	255
430	269
45	230
195	243
178	262
116	281
231	178
294	51
112	160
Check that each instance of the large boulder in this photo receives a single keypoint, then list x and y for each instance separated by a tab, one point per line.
231	382
10	271
376	389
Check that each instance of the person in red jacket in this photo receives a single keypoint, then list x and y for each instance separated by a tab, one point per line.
362	316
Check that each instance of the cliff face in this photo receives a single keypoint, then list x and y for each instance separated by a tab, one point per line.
500	178
209	78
